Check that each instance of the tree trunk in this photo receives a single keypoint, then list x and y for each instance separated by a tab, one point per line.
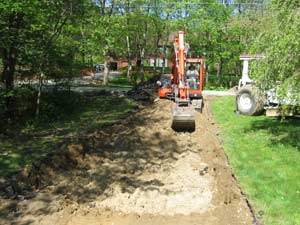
240	8
142	55
164	60
9	60
219	73
9	54
106	67
106	71
83	57
9	65
38	101
91	60
206	73
83	37
129	59
156	52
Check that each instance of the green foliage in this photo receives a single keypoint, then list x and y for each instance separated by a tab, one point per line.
24	104
228	81
286	4
264	153
58	106
40	34
279	40
60	38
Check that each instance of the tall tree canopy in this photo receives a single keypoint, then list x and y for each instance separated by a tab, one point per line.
279	40
59	38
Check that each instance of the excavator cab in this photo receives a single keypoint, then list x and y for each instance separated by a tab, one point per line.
195	81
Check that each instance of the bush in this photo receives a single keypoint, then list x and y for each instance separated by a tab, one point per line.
22	106
59	105
17	104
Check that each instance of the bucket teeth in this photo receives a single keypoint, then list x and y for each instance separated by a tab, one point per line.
183	118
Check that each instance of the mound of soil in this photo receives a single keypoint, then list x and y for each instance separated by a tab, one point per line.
145	91
138	171
41	173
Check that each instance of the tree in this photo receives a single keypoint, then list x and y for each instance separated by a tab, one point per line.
30	37
12	30
278	40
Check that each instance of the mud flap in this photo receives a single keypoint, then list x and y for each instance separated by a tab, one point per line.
183	118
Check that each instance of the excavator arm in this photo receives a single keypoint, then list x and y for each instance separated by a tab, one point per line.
183	114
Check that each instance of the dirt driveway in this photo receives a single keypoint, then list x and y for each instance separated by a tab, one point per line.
139	172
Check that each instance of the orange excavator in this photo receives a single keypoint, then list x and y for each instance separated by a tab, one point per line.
183	86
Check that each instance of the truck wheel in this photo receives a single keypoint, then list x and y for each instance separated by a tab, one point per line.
249	102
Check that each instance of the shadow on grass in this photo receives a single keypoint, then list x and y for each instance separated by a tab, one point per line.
63	116
283	133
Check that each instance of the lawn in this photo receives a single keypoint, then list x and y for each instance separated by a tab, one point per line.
123	82
63	117
265	156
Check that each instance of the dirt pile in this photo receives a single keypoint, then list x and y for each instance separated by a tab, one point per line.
145	91
41	173
138	171
70	154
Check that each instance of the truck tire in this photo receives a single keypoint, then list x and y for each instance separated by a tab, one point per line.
250	101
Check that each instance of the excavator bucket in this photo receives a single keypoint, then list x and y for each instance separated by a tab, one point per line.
183	118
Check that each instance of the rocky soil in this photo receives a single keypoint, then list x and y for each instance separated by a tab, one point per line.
138	171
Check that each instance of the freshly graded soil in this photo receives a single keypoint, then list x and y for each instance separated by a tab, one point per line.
137	172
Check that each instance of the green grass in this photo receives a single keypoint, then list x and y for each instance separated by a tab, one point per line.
23	143
121	82
265	156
